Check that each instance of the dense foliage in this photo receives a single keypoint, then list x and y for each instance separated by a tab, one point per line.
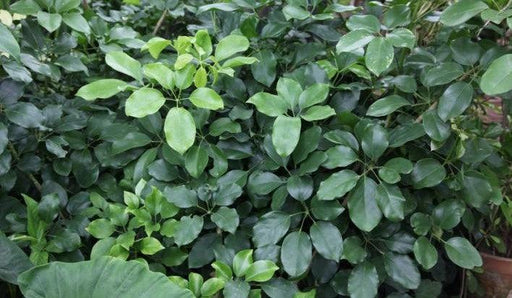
303	148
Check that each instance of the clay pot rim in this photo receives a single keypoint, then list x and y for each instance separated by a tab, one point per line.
503	259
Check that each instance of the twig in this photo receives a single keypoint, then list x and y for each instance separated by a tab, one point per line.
160	22
30	176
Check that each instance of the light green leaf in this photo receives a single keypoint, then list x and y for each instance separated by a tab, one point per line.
497	78
8	43
150	246
222	270
318	113
285	134
160	73
155	46
77	22
260	271
269	104
401	38
337	185
327	240
461	11
242	261
354	40
144	102
239	61
180	129
206	98
363	22
100	228
462	253
295	12
296	253
49	21
212	286
101	89
65	5
386	105
289	90
314	94
123	63
379	55
230	45
25	7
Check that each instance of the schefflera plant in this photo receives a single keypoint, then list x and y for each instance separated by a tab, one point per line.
181	82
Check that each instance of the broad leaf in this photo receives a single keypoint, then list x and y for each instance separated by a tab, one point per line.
402	270
362	205
206	98
327	240
337	185
102	277
498	77
8	43
379	55
386	105
230	45
285	134
363	281
461	11
427	172
456	99
296	253
144	102
180	129
101	89
425	253
354	40
462	253
125	64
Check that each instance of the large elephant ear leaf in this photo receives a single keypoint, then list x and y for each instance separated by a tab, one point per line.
102	277
13	260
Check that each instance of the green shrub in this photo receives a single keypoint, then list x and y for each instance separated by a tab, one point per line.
250	148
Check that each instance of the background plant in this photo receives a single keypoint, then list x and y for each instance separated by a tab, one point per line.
340	148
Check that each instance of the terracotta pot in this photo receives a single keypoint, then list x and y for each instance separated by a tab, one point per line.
497	276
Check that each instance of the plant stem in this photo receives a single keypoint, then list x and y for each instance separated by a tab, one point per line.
30	176
160	22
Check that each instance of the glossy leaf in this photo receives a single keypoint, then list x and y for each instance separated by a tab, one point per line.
379	55
180	129
285	134
296	253
206	98
144	102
